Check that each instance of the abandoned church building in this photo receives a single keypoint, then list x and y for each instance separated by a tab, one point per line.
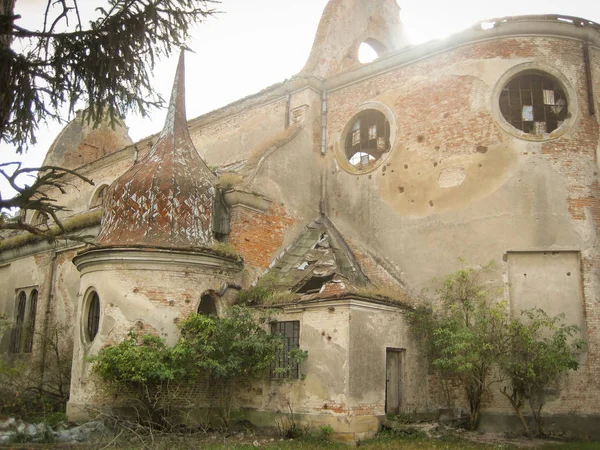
345	181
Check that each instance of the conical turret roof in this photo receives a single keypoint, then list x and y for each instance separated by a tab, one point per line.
167	199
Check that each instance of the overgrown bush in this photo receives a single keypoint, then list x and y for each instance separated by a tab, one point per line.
541	351
463	333
470	339
37	387
228	349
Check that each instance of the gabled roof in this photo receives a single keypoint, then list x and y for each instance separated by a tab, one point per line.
319	255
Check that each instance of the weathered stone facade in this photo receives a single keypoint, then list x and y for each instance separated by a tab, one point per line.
452	178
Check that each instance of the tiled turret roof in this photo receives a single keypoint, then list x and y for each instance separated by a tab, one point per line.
165	200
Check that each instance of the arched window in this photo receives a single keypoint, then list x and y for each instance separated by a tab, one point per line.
370	50
207	306
98	196
534	102
92	316
17	332
33	299
40	219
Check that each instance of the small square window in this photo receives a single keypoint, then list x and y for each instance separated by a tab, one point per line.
290	330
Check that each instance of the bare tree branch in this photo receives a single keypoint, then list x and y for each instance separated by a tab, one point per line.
35	197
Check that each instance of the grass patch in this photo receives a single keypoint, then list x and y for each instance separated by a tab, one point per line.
78	222
228	180
225	249
394	295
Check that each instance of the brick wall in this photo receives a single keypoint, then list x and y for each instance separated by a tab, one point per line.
259	235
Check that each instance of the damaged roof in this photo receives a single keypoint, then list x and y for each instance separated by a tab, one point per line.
166	199
318	256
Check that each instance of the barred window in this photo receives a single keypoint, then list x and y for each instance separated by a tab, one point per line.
290	330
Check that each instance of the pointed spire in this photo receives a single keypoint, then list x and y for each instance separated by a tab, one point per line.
176	111
167	199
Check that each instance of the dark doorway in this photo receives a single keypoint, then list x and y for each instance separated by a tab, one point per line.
394	369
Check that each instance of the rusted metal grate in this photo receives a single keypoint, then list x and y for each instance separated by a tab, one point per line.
534	103
290	330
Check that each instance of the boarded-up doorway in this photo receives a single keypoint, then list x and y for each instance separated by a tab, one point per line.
394	360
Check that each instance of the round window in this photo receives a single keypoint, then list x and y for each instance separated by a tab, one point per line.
92	316
534	103
367	139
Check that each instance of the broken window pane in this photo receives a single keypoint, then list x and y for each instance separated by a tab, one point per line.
355	137
534	103
527	113
548	97
540	127
368	139
373	132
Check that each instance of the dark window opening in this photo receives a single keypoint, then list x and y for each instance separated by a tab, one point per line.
290	331
33	299
40	219
17	331
93	317
99	196
368	139
207	306
534	103
314	284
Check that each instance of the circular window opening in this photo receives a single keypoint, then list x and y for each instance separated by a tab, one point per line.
367	139
534	103
92	316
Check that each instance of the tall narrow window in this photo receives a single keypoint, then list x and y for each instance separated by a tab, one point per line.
93	316
33	298
17	332
290	330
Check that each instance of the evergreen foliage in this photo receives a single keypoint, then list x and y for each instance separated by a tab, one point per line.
105	64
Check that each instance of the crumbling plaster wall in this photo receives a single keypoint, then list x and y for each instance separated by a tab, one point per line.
502	192
57	282
147	294
372	330
343	381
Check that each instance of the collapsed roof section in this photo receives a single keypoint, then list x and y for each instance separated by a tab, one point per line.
318	256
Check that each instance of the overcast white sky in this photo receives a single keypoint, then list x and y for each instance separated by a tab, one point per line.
256	43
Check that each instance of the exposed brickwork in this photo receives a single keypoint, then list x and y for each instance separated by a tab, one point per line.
442	113
257	235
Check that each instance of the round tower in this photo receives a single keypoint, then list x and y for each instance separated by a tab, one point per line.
153	264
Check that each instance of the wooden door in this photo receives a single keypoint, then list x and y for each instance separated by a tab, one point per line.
393	371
